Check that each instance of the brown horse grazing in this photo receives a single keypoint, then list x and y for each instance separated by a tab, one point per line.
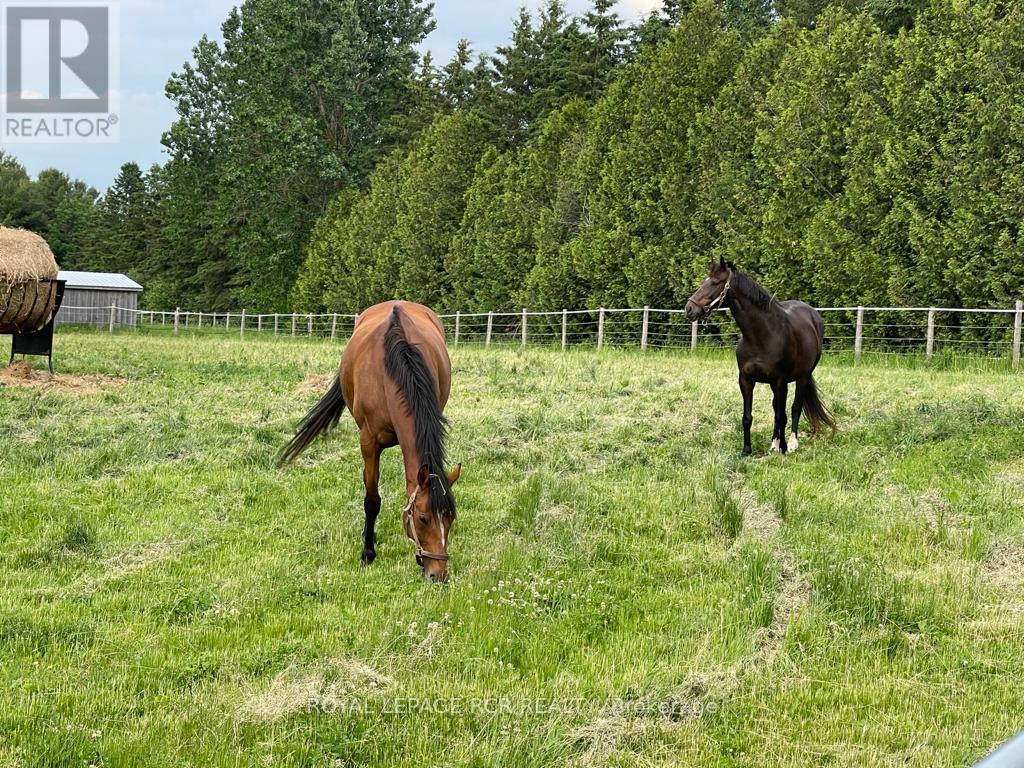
395	378
781	342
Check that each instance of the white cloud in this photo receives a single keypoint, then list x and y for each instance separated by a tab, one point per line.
635	8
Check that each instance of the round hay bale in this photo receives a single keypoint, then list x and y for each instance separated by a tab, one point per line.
28	281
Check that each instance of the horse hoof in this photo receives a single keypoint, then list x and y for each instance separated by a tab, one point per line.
746	451
776	446
368	557
793	442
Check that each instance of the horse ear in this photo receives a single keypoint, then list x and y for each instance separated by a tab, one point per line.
722	262
453	476
423	477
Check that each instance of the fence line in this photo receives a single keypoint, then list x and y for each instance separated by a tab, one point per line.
928	330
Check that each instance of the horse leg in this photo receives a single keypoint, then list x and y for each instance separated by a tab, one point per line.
747	390
798	408
779	391
371	503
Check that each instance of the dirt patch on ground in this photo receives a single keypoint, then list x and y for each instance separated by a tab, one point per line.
21	374
315	383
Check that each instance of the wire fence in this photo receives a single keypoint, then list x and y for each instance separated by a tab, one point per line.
891	330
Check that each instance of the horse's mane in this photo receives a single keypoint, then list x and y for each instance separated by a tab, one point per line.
405	365
750	289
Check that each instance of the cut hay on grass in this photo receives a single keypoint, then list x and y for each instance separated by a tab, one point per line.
126	564
316	383
21	374
326	688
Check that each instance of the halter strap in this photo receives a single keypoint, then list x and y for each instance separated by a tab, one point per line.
706	314
721	297
407	514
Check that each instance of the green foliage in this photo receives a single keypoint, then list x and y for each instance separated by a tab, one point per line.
853	152
639	209
435	177
519	209
394	240
838	162
60	209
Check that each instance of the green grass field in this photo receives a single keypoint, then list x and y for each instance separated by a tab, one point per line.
626	589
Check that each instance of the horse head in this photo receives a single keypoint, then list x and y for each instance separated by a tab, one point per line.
712	292
428	523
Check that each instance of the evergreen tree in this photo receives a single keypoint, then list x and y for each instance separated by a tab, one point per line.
16	208
126	213
730	193
494	233
423	100
74	217
603	47
552	161
639	212
436	175
801	149
303	90
323	268
952	170
196	269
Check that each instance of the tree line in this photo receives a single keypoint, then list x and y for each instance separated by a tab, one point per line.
871	156
861	151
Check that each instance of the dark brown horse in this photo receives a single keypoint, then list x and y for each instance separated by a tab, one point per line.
395	378
781	342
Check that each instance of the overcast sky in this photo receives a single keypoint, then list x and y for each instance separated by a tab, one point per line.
157	36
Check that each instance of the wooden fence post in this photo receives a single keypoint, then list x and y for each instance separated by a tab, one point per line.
1016	333
113	310
458	322
490	326
200	320
227	321
334	326
565	326
259	323
177	313
276	317
600	327
241	330
643	333
310	326
524	326
295	318
929	345
858	339
694	328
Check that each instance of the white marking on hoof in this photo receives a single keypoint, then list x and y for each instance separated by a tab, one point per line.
793	442
776	445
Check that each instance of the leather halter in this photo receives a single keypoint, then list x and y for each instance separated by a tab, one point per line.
721	298
407	515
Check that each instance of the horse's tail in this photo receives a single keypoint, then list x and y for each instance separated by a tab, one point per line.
814	409
323	416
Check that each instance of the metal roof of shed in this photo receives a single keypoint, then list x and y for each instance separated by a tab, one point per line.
108	281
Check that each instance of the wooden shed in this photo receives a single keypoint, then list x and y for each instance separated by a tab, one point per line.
88	297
